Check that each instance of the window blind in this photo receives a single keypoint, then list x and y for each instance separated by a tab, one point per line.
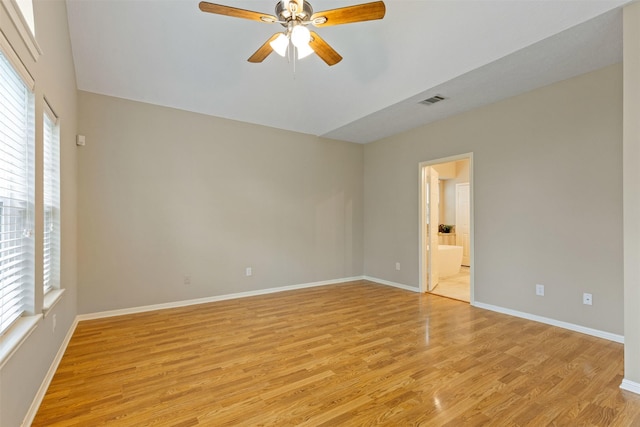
16	193
51	190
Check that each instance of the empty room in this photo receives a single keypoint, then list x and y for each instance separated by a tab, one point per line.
253	213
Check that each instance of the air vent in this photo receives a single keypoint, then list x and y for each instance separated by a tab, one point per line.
433	100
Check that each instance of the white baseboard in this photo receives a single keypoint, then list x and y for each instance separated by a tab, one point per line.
394	284
565	325
630	386
184	303
570	326
37	400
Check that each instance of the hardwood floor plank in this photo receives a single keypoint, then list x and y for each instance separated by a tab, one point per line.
351	354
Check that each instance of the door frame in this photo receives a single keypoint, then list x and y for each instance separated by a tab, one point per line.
431	276
422	247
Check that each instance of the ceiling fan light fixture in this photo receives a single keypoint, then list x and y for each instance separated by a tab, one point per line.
304	51
295	16
300	36
280	44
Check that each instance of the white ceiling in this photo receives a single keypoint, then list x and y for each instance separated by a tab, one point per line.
473	52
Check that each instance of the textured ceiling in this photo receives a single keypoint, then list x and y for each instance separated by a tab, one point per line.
473	52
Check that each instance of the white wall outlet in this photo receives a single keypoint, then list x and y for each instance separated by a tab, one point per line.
54	321
398	266
540	290
248	271
187	280
587	299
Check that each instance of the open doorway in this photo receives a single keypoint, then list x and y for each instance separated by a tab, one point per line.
446	227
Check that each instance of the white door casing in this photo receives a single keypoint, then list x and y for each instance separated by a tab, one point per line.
433	217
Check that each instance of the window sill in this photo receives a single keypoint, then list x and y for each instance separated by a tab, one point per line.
16	335
51	298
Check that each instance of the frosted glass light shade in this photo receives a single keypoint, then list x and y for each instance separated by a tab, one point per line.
280	45
300	36
304	51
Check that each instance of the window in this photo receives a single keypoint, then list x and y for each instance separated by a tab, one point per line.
26	8
16	191
21	14
51	190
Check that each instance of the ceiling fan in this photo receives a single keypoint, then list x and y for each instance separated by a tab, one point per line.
295	16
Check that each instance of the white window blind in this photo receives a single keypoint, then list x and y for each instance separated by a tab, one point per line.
16	193
51	190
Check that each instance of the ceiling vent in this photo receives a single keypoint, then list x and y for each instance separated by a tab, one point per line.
433	100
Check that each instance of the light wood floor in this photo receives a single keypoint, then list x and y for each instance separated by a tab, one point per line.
350	354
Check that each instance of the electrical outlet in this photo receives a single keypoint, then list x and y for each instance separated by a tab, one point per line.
54	321
540	290
248	271
587	299
187	280
398	266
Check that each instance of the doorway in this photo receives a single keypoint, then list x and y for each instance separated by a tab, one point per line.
446	227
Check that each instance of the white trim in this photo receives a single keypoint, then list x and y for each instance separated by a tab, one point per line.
15	61
145	308
51	298
565	325
394	284
37	400
422	234
631	386
20	23
48	110
17	334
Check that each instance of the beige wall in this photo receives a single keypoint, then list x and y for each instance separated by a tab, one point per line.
165	193
547	168
632	193
22	375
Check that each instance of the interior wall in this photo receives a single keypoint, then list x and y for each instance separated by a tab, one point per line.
547	197
165	194
54	74
631	43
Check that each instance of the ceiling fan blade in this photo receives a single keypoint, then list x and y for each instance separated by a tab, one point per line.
349	14
323	50
235	12
263	51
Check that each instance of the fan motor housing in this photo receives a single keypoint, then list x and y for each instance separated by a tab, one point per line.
284	14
